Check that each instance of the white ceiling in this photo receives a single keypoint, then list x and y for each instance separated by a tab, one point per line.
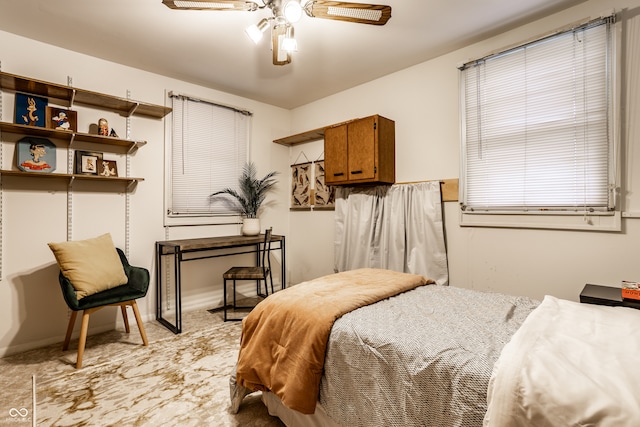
210	48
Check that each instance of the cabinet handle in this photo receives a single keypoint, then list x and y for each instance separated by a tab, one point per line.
338	174
355	172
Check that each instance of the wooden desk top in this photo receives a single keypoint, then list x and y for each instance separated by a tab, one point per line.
220	242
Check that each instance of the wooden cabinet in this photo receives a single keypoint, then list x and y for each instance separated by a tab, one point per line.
360	152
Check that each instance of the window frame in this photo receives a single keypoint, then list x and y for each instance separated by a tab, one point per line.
188	219
580	219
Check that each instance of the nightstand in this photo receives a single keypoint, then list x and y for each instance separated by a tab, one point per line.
606	295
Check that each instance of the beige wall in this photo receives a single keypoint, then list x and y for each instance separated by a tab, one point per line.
34	212
423	100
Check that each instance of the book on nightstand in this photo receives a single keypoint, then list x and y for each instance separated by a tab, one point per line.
606	295
630	290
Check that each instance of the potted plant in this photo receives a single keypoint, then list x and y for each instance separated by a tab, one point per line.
249	197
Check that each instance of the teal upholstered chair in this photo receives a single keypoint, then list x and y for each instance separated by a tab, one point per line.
123	296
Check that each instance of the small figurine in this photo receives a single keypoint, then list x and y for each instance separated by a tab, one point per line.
113	133
103	127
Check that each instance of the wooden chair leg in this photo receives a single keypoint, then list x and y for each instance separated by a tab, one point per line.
136	313
83	337
67	338
123	309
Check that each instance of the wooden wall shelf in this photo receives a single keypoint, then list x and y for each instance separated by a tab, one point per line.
68	136
70	177
303	137
71	95
308	136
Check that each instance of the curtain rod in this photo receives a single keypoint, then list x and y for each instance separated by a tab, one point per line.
173	94
610	17
441	181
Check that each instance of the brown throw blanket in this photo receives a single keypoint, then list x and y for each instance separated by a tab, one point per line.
284	338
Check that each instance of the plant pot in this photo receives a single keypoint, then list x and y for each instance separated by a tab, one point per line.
250	226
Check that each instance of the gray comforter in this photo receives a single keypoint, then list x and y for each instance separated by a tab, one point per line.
422	358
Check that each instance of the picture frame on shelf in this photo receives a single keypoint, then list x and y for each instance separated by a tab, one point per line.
30	110
35	155
108	168
87	162
61	119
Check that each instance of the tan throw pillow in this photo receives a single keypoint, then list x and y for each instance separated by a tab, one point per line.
91	265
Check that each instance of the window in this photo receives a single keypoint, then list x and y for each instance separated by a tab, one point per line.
207	151
538	126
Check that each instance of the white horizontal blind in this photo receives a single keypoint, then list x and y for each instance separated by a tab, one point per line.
209	149
537	125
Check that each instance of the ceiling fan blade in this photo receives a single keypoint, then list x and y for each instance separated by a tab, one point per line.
374	14
211	5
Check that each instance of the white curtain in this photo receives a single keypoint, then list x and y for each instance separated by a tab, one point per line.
396	227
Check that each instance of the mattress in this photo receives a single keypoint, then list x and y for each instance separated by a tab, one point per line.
421	358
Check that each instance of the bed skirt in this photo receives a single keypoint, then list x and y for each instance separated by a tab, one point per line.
293	418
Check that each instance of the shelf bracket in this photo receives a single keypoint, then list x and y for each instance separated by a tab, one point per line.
133	147
73	91
133	109
72	99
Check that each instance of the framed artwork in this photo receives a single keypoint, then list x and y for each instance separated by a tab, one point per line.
108	168
87	162
30	110
61	119
301	186
36	155
325	195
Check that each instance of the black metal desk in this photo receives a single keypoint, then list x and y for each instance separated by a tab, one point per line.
202	248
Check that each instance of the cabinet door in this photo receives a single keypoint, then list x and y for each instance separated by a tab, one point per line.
361	151
335	154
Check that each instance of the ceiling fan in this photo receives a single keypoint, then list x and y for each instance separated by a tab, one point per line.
286	12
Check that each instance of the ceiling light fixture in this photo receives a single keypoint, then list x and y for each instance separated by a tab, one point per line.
289	43
286	12
278	34
255	31
292	11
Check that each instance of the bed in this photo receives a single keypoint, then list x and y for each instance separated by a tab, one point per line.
431	355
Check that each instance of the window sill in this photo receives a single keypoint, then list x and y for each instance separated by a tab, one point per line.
187	220
610	222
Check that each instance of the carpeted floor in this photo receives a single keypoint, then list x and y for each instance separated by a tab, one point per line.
178	380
